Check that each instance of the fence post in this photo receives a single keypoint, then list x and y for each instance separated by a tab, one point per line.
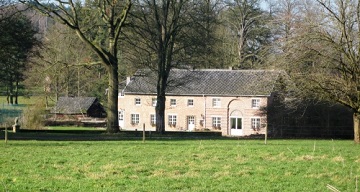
6	135
266	134
144	133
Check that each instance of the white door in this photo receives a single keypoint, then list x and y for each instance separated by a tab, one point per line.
191	123
236	126
121	119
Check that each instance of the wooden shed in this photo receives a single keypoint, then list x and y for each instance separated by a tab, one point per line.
78	108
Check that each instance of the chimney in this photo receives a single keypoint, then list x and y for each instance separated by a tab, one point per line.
128	79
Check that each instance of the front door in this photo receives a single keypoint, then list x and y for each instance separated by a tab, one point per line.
121	119
236	126
191	123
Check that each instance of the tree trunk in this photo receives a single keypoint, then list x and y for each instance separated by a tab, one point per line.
356	119
161	101
16	92
160	114
112	105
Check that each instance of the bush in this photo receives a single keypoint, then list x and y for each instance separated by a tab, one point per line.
33	116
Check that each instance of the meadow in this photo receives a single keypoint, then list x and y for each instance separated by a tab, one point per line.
180	165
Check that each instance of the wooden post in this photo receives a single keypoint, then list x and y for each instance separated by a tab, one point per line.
6	135
144	133
266	134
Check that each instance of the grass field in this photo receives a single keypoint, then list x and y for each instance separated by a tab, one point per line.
179	165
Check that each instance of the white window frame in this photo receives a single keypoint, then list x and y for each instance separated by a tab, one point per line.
154	102
255	123
172	102
216	102
255	103
172	119
190	104
152	119
216	121
137	101
121	115
135	118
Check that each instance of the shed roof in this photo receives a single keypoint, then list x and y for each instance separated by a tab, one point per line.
73	105
207	82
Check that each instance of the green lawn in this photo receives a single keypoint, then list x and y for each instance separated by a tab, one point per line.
179	165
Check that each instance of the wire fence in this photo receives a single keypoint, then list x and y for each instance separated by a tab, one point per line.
9	112
328	132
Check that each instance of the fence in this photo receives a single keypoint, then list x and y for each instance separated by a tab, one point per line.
9	112
334	132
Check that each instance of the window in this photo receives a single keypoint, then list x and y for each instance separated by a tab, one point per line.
216	122
216	102
255	123
190	102
121	115
172	102
135	119
172	120
153	119
236	123
153	102
255	103
137	101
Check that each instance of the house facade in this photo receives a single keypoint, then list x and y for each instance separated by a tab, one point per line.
227	101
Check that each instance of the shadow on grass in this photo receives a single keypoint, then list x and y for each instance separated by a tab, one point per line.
101	135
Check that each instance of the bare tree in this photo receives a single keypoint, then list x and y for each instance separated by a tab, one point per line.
324	55
169	34
98	23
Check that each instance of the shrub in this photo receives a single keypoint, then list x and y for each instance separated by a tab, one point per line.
33	116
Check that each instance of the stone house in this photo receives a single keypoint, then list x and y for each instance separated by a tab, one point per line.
227	101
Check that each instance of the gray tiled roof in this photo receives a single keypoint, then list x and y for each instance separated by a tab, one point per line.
73	105
207	82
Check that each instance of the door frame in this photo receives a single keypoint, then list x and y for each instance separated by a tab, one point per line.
236	132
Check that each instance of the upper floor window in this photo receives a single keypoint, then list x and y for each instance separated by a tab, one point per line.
190	102
135	119
137	101
255	103
172	102
153	102
216	102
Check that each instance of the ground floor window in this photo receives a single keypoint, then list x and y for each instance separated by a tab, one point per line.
216	122
135	119
153	119
236	123
255	123
172	120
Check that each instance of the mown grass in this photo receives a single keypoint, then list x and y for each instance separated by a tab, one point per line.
179	165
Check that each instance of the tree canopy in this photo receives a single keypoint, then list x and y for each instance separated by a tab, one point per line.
17	40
